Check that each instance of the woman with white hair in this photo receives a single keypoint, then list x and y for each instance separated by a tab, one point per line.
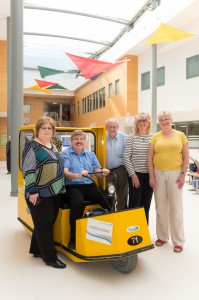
168	160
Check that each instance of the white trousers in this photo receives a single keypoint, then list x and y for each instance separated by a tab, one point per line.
169	207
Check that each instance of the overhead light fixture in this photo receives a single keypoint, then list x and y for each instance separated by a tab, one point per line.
54	102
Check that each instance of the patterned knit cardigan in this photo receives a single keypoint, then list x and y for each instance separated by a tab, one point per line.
43	170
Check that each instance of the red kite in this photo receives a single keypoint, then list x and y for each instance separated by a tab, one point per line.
43	83
91	67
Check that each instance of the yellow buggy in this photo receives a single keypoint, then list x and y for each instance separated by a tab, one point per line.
114	236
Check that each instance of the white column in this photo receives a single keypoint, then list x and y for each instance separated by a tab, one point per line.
16	33
154	88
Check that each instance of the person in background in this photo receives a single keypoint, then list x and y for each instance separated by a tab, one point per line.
135	160
168	160
8	155
56	139
44	182
195	169
78	163
115	144
63	116
68	114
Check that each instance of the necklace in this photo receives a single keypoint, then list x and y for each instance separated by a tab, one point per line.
142	137
44	143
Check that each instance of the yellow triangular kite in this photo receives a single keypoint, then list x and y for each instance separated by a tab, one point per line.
36	87
166	33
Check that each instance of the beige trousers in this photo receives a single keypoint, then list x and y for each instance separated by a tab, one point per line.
169	207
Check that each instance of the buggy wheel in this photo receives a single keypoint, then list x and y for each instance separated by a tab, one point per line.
125	265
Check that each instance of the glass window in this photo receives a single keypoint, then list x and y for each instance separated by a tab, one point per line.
101	97
88	103
193	134
110	90
145	81
182	127
25	137
73	108
91	102
97	100
117	87
161	76
194	128
192	67
84	106
26	108
64	136
94	101
78	108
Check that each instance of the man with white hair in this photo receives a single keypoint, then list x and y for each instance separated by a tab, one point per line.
115	145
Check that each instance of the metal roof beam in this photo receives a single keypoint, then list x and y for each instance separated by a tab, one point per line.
105	18
68	37
148	6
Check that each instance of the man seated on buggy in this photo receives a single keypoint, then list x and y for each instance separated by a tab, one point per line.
78	164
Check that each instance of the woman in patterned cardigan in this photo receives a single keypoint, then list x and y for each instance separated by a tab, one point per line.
44	182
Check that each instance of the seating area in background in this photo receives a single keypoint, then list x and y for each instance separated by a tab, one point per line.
193	174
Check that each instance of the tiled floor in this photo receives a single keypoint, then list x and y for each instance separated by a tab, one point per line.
160	274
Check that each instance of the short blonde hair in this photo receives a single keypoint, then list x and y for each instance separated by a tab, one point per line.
43	120
141	116
77	132
164	113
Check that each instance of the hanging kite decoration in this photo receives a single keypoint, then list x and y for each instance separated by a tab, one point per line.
88	68
166	33
37	88
56	86
91	67
44	84
47	71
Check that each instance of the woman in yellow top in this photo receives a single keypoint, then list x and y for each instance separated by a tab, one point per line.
168	159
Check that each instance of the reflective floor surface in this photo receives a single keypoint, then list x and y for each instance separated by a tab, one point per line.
160	274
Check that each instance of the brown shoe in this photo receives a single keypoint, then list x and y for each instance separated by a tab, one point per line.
159	243
177	249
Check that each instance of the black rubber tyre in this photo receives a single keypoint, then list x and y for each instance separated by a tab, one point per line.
125	265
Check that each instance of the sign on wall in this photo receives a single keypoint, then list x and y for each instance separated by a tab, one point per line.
3	140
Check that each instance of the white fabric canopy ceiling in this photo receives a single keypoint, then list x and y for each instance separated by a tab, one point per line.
86	28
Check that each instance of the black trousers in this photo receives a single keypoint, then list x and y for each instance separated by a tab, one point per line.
141	197
121	184
77	194
44	216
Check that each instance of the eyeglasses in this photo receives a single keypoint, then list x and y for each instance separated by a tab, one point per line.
142	121
167	119
111	127
46	128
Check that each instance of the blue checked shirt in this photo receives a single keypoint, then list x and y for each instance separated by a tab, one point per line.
75	163
115	149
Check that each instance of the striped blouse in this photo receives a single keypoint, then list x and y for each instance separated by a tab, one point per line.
135	153
42	170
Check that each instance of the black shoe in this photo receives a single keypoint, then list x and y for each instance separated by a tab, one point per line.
37	255
58	264
71	244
